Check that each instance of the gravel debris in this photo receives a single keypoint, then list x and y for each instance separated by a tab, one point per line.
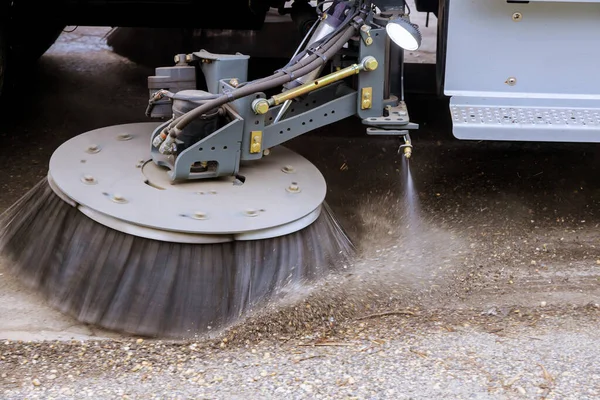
551	355
494	294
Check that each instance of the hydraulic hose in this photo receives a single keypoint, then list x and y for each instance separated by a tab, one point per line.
289	68
323	44
301	68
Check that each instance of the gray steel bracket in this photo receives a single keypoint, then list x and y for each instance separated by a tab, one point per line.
332	106
224	149
221	150
375	80
216	67
252	122
395	117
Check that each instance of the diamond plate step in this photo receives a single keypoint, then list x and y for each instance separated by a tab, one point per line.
523	123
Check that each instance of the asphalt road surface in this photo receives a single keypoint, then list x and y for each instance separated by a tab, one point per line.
483	285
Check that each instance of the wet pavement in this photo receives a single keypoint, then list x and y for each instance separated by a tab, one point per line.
508	242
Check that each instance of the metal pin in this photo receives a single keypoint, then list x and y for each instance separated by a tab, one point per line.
288	169
282	111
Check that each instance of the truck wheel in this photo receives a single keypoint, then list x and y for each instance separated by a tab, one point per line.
31	48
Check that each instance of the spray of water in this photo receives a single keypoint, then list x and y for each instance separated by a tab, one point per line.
411	201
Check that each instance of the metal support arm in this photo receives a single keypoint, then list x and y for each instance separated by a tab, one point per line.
257	123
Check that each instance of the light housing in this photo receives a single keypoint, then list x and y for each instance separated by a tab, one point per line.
404	33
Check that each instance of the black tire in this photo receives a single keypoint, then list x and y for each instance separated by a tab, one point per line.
41	46
31	48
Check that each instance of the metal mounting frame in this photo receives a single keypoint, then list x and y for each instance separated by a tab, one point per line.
250	136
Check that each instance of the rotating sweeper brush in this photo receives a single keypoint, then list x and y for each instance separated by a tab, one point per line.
172	228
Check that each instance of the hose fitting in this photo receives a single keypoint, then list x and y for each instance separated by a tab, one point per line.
159	138
406	147
168	146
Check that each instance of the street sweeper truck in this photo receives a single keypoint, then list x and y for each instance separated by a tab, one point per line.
183	223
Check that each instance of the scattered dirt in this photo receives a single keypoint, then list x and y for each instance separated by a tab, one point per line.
503	224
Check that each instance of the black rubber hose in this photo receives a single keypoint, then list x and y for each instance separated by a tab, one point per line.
291	68
323	43
308	65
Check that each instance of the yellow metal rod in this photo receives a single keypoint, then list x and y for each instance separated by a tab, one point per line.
368	64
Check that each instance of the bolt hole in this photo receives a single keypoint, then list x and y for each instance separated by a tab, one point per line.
270	118
333	111
224	147
212	148
304	123
258	96
310	120
307	105
388	119
256	122
325	114
83	161
289	129
201	148
294	183
314	102
262	210
281	132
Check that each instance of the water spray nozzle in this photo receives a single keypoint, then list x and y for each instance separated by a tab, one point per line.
407	146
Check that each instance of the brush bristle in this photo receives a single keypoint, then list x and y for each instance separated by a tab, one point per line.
146	287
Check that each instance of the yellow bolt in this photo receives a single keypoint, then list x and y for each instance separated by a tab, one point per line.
369	41
371	64
261	107
366	103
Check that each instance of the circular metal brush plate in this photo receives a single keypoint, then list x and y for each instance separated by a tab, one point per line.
109	175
